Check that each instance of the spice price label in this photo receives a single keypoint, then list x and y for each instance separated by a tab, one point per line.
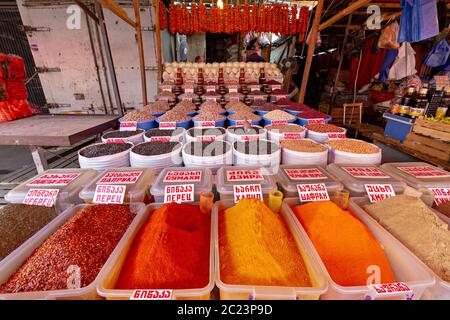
188	175
244	175
54	179
378	192
207	124
125	177
425	172
278	122
313	192
292	136
41	197
152	294
365	172
389	290
160	139
305	174
116	140
247	191
334	135
249	138
179	193
109	194
441	195
316	120
240	123
206	138
168	125
128	126
233	90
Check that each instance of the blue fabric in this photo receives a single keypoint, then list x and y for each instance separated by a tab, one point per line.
446	66
418	20
438	55
389	59
255	58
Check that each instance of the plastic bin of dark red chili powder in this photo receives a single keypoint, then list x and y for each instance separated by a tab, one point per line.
180	233
64	259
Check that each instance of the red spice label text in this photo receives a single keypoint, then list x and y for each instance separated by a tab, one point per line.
247	191
128	126
441	195
316	120
242	122
189	175
244	175
206	138
425	172
279	122
167	125
207	124
54	179
109	194
116	140
378	192
41	197
335	135
365	172
292	136
179	193
312	192
152	294
125	177
389	289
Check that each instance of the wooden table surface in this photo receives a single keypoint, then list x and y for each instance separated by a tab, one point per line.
53	130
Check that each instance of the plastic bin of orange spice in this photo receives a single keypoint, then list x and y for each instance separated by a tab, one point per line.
109	227
120	271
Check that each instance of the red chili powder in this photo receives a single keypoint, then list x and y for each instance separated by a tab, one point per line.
170	251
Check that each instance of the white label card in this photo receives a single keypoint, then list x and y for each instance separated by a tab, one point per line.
109	194
179	193
167	125
305	174
425	172
378	192
336	135
54	179
366	172
317	120
207	124
186	176
116	140
124	177
441	195
389	290
292	136
152	294
128	126
41	197
247	191
244	175
313	192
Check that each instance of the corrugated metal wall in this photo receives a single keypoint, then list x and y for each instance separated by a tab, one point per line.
14	40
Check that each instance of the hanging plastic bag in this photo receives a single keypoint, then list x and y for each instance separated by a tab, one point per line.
388	37
438	55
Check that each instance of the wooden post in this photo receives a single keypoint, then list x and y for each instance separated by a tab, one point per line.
341	58
158	40
311	47
291	52
351	8
137	16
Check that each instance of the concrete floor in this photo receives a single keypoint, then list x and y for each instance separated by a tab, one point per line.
13	158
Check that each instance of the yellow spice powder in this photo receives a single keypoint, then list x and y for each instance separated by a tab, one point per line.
257	248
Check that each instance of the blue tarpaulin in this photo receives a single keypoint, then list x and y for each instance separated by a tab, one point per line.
418	20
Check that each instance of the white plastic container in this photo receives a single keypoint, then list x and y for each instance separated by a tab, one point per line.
121	159
289	176
86	293
68	192
229	176
354	177
211	162
406	267
304	158
177	136
205	134
440	288
276	136
419	175
201	178
137	138
270	161
157	162
321	137
337	156
110	272
136	180
252	135
246	292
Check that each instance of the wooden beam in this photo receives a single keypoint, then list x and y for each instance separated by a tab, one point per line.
351	8
158	41
118	11
137	17
311	47
87	10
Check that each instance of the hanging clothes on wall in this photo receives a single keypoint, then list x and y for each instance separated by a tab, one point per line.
405	63
438	55
418	20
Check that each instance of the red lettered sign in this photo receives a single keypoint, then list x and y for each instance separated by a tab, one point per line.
244	175
41	197
278	122
389	290
128	126
167	125
292	136
160	139
206	138
378	192
316	120
365	172
312	192
336	135
54	179
249	138
124	177
116	140
152	294
242	122
441	195
425	172
207	124
247	191
179	193
109	194
188	175
305	174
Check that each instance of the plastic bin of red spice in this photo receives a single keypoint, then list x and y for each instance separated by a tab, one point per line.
171	247
77	242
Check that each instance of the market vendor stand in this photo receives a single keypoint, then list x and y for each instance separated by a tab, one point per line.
52	131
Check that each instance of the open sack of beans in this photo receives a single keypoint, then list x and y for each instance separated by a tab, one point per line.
353	151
